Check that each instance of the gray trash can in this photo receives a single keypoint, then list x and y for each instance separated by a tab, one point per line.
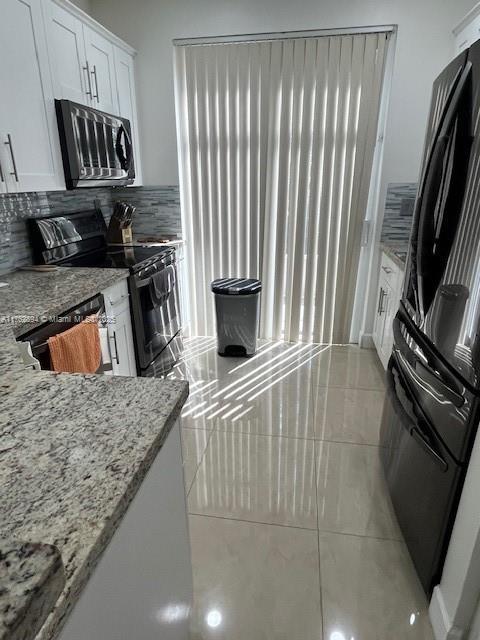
237	305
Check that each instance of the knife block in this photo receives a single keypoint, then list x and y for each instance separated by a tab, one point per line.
118	235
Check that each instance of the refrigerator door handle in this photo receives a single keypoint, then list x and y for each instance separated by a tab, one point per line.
432	179
446	119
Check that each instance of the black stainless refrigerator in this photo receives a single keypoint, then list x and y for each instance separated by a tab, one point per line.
432	406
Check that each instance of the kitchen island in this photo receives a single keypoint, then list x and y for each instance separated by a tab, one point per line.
74	450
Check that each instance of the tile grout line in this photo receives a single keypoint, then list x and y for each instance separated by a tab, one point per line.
296	526
320	589
261	522
282	435
199	462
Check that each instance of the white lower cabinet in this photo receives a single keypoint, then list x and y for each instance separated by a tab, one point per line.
468	31
119	326
388	298
142	586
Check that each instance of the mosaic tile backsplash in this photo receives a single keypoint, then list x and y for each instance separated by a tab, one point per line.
158	210
158	213
397	220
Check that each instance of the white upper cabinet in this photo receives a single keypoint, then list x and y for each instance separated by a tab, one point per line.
101	69
67	55
127	104
51	49
468	30
30	155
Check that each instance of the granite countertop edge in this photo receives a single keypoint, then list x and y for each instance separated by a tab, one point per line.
67	302
41	612
63	606
396	252
28	569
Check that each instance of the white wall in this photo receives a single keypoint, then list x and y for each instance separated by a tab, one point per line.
85	5
424	46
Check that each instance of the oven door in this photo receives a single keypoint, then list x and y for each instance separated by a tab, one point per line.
156	311
96	146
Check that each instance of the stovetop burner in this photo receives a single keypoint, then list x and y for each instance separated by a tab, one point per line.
129	257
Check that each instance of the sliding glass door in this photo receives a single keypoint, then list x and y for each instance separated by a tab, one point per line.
276	140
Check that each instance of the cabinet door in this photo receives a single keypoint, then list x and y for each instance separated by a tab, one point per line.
27	116
391	311
387	335
142	586
99	52
121	343
467	36
381	331
127	102
67	55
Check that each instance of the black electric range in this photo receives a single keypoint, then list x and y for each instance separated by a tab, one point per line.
79	240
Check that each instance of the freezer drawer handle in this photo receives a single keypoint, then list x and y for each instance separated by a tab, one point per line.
437	458
437	368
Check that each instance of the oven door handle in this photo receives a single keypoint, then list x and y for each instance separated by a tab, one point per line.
145	282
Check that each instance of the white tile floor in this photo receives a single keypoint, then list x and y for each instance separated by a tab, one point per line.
292	532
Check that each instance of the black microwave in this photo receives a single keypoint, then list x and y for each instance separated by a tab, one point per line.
96	147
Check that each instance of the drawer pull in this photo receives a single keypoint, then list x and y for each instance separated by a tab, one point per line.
387	270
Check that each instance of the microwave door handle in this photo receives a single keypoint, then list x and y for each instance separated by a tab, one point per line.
124	158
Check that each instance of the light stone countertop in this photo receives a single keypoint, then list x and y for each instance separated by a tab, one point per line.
32	294
397	252
74	449
27	569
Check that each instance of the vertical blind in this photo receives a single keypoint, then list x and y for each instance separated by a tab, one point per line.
276	141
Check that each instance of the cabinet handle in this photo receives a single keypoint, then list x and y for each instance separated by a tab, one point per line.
381	298
116	348
89	90
380	293
2	178
12	155
387	269
94	74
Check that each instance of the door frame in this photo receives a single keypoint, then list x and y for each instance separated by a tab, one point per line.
369	261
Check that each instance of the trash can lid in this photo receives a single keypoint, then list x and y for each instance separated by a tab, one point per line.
236	286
